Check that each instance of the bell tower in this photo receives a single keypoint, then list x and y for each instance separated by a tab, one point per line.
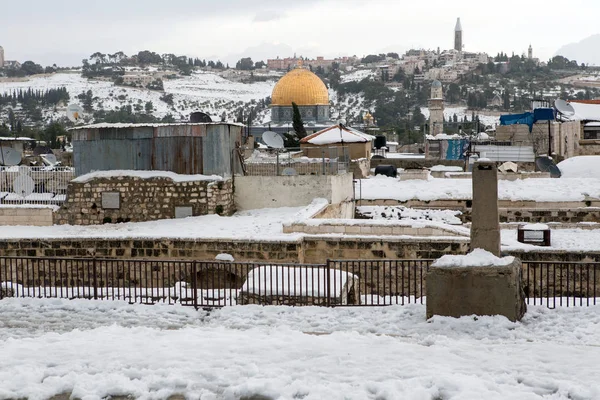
458	38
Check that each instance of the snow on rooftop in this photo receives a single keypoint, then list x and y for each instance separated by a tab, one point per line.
337	134
264	224
476	258
535	227
146	175
580	167
584	112
149	125
540	189
16	139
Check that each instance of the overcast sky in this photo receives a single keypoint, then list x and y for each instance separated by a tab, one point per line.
65	31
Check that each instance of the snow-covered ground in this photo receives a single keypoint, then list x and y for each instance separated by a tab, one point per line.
542	190
94	350
265	224
405	213
358	75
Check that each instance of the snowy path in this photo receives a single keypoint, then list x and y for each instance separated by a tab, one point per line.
94	349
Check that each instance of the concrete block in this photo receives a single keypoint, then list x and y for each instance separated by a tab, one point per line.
464	291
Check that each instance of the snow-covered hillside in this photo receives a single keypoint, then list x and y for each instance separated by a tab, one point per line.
461	112
201	91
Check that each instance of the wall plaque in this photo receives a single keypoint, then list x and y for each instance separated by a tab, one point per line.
111	200
183	212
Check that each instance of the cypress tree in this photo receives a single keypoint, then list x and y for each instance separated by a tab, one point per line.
297	122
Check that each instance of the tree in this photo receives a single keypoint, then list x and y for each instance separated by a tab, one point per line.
51	134
245	64
149	107
297	122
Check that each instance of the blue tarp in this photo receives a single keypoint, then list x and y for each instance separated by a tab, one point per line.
456	149
522	119
543	114
539	114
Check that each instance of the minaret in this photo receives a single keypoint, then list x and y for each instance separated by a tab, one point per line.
1	57
436	109
530	53
458	39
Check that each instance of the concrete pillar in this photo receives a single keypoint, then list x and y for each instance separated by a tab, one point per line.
485	227
460	290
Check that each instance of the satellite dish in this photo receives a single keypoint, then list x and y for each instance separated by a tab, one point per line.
39	150
9	156
200	117
74	112
564	108
546	164
289	172
23	185
48	159
272	140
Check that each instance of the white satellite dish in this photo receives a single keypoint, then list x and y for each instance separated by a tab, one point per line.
9	156
48	159
74	112
289	172
23	185
272	140
564	108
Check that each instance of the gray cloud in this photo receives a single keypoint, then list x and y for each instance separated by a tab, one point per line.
268	16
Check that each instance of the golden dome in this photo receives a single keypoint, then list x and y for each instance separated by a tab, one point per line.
302	87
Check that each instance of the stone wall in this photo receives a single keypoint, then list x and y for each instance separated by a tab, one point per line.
380	278
375	228
32	216
254	192
135	199
415	163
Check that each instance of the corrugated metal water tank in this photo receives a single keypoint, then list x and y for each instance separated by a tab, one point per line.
203	148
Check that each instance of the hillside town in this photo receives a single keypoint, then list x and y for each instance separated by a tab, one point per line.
178	227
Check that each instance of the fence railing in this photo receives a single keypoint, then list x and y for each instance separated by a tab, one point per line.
34	185
217	284
307	161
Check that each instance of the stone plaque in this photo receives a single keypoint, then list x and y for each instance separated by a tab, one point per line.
533	236
183	212
111	200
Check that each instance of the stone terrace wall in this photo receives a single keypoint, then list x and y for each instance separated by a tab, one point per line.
143	199
26	216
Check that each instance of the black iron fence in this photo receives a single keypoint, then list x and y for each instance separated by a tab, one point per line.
217	284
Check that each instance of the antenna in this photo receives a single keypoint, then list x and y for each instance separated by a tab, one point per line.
272	140
74	112
9	156
564	108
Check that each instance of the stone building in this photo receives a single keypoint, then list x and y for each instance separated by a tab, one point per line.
458	36
307	90
1	57
436	109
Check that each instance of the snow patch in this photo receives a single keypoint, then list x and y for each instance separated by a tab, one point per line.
477	258
146	175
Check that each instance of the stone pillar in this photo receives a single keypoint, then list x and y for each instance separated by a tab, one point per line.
485	227
456	289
